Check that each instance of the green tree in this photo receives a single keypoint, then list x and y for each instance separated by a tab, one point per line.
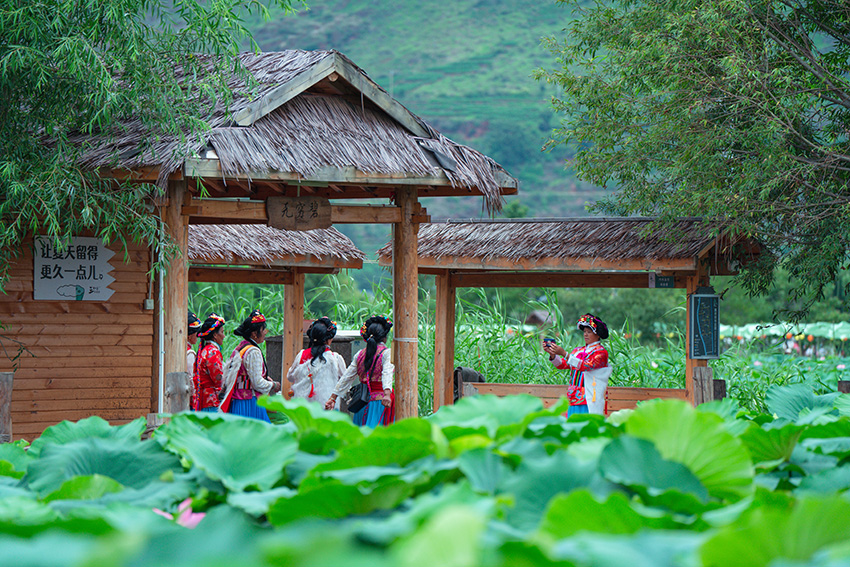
73	68
733	110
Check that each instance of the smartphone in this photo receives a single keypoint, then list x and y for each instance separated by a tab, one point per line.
548	340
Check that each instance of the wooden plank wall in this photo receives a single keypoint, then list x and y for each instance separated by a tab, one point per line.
85	358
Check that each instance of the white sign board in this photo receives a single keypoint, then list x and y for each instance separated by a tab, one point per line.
79	272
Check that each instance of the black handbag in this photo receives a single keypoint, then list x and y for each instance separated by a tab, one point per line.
358	397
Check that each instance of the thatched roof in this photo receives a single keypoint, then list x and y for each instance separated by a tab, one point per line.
260	245
312	110
529	241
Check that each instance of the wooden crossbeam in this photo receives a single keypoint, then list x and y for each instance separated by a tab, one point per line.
254	212
240	275
620	280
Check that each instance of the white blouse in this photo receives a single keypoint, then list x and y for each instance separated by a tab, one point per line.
326	371
347	379
252	360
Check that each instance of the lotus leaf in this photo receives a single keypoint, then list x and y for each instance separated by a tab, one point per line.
67	431
457	529
787	402
770	446
241	453
775	530
698	440
133	464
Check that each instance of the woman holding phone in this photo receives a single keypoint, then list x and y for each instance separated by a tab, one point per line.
588	366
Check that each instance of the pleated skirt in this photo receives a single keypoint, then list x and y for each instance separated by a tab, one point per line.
249	408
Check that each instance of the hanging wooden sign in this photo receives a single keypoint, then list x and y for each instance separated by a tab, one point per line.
80	271
299	213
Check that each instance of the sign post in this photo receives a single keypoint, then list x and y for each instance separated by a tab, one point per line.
705	326
77	272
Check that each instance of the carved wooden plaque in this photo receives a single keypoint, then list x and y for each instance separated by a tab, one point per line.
299	213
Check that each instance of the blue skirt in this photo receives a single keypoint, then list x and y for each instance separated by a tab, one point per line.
249	408
371	415
211	409
577	409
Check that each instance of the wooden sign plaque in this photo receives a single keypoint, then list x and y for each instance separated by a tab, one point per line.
299	213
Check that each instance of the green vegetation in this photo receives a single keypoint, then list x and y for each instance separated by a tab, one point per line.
73	68
491	482
735	111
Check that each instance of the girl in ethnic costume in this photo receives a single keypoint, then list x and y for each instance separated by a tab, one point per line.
371	365
207	376
588	365
191	341
252	379
317	369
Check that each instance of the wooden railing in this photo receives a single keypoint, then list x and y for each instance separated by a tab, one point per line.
616	398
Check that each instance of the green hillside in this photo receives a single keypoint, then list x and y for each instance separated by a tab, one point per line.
463	66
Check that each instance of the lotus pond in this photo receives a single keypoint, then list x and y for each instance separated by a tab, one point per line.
489	481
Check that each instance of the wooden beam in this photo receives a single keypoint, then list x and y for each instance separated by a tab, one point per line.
176	280
692	283
254	212
639	280
324	176
444	341
293	320
405	307
569	264
240	275
286	92
373	92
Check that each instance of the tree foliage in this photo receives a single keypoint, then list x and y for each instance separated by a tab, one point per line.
71	68
734	109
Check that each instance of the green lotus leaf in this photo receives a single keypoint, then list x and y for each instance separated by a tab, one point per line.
698	440
14	460
459	531
842	404
89	487
826	482
500	416
241	453
789	402
777	530
406	520
318	544
588	449
54	549
399	444
769	446
536	481
258	503
420	475
337	500
484	469
225	536
835	446
580	511
644	549
810	462
26	517
468	442
133	464
67	431
637	464
318	430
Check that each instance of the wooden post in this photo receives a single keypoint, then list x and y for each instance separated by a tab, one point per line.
703	385
405	306
719	388
691	285
178	392
176	301
844	386
444	341
293	321
6	407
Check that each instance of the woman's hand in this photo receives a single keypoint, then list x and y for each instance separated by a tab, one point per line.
329	405
275	388
554	350
387	400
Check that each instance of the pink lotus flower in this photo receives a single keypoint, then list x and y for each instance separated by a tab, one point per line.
185	516
757	363
840	367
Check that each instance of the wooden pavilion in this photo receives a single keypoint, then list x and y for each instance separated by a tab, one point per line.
581	252
315	130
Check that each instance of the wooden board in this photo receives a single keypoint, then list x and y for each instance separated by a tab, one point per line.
82	358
